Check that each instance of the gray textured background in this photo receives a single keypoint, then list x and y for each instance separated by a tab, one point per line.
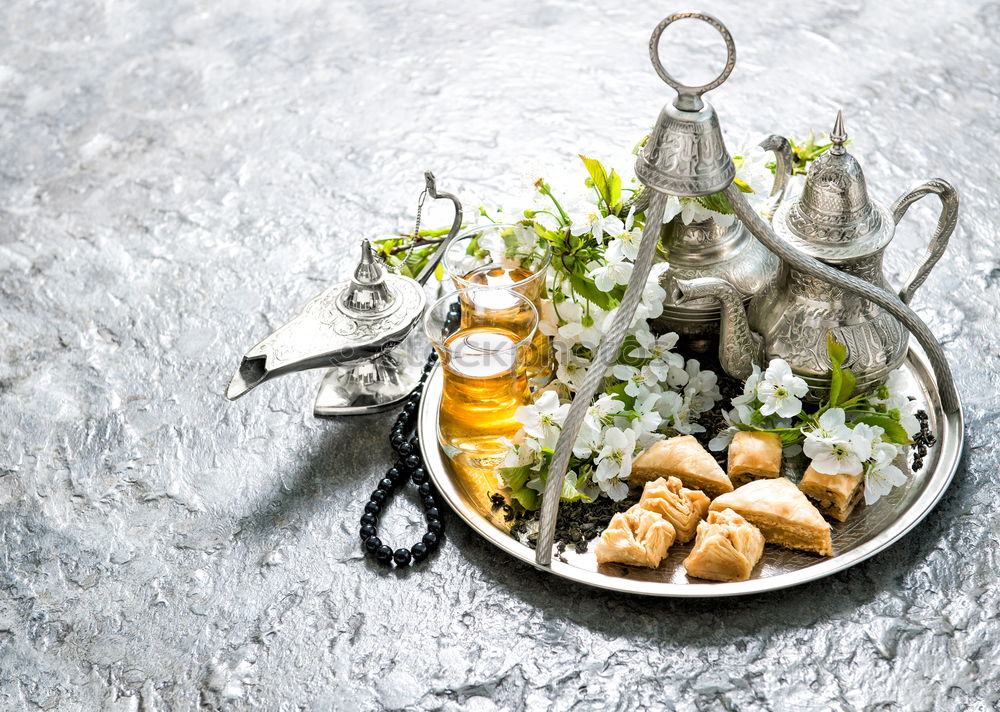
176	178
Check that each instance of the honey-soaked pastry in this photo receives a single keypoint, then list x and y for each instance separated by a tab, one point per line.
754	456
680	506
834	495
727	548
637	537
682	457
783	514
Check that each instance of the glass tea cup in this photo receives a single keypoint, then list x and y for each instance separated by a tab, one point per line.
482	336
505	257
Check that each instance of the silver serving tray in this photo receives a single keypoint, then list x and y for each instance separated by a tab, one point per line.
868	531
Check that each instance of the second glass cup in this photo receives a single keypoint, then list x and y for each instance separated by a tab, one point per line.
483	337
505	258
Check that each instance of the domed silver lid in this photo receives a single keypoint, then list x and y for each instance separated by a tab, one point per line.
368	295
835	217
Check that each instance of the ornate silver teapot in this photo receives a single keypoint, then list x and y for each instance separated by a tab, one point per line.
708	249
356	327
686	156
837	223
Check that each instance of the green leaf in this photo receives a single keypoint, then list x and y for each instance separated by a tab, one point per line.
589	291
894	432
619	393
628	345
847	386
516	478
837	353
836	350
614	189
600	178
716	202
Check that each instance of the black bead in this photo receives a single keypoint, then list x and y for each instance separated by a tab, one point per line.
404	449
424	489
419	476
429	367
430	540
393	474
429	501
373	508
386	484
419	551
401	557
369	519
368	531
397	441
378	496
432	513
383	554
415	442
435	525
413	462
372	544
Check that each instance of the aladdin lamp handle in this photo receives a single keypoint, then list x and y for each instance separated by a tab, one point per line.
942	233
456	224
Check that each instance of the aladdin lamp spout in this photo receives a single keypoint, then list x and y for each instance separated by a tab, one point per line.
354	328
348	323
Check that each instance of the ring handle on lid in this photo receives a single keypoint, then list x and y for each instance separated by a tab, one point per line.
688	97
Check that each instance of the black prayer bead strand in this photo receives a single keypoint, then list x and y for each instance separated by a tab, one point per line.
409	465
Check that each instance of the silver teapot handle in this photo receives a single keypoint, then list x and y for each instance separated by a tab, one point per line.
942	233
782	151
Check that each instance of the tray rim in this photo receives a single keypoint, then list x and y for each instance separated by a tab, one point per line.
950	432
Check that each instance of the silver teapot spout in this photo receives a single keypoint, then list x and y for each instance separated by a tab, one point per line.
740	348
354	329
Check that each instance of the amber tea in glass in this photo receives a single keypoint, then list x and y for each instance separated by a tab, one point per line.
469	262
482	351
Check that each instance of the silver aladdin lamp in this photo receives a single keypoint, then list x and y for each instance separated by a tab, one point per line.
686	156
354	329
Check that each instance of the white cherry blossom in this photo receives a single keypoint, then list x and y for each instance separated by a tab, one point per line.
614	462
779	390
615	270
543	419
882	474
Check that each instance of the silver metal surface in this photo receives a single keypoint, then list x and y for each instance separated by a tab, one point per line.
355	327
868	531
831	280
177	176
707	249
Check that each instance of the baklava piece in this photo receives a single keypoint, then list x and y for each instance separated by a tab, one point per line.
834	495
680	506
727	548
754	456
783	514
682	457
637	537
